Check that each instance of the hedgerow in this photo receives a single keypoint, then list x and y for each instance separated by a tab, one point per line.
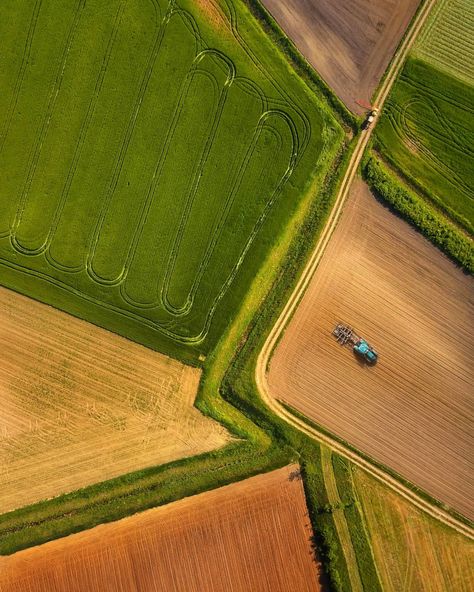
442	233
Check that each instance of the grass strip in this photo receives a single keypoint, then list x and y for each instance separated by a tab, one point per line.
342	469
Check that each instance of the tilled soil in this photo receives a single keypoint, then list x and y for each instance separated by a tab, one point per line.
349	42
413	411
252	535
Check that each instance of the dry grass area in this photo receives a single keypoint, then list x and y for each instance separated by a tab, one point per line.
414	553
82	405
252	535
413	411
349	42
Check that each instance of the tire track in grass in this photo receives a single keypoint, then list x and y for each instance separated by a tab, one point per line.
23	198
21	73
80	144
156	46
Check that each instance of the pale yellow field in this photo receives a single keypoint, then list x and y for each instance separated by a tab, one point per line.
413	552
81	405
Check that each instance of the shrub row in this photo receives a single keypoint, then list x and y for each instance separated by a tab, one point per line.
442	233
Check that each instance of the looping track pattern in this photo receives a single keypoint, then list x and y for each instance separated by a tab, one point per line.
172	160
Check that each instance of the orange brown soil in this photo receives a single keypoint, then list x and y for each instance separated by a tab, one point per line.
413	552
81	405
252	535
350	42
413	411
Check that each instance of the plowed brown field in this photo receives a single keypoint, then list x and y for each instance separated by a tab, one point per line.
413	411
81	405
253	535
349	42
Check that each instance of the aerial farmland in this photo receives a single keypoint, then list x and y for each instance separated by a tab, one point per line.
350	43
193	195
413	410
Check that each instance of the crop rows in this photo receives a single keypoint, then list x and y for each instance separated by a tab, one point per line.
142	171
448	40
426	133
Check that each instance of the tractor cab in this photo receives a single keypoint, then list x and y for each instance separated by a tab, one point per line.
363	349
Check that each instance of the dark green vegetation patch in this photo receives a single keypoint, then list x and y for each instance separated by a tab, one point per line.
150	154
427	133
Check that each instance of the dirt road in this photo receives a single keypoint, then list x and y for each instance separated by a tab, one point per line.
349	42
413	411
305	279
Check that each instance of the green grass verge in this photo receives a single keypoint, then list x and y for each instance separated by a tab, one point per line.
355	522
427	132
415	210
150	157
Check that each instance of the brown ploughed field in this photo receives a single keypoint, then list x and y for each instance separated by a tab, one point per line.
413	411
252	535
81	405
350	42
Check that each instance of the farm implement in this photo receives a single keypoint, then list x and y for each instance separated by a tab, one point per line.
345	335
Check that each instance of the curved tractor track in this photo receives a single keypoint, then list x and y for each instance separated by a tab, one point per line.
306	276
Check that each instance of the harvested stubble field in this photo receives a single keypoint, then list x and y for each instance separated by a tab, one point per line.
413	411
252	535
349	42
414	553
150	153
80	405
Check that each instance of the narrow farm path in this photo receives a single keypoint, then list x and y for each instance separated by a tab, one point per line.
340	520
304	280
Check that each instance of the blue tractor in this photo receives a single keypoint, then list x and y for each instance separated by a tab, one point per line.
346	335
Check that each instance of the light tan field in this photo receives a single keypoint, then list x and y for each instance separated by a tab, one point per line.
350	42
413	411
81	405
413	552
250	536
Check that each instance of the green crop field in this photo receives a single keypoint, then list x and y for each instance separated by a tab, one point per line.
427	129
150	154
427	132
447	41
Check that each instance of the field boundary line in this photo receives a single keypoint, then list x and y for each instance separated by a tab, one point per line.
261	376
340	520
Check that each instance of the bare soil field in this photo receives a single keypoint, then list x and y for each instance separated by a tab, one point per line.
413	411
252	535
81	405
350	43
414	553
